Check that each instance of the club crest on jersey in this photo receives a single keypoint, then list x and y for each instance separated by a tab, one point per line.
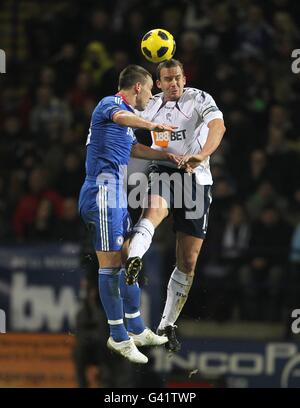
119	240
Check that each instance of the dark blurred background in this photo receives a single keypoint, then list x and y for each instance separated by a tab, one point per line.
64	56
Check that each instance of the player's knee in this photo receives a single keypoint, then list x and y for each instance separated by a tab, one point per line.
187	265
156	215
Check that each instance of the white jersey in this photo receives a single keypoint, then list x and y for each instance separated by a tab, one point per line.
191	114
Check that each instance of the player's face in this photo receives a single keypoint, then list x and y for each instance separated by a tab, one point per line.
171	82
144	95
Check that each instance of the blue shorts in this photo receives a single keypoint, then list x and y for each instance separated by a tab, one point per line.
103	207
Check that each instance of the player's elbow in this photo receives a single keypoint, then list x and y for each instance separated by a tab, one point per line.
217	124
220	126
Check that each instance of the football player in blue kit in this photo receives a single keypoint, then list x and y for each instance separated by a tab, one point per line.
103	205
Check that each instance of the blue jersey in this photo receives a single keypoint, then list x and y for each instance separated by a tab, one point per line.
102	200
108	144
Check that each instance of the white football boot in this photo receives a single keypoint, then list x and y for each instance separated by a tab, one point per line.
148	338
128	350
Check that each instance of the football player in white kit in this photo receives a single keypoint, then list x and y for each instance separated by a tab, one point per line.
200	128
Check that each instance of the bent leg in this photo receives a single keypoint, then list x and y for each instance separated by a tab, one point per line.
142	237
144	230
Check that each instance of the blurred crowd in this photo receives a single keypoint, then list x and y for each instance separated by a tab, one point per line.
64	56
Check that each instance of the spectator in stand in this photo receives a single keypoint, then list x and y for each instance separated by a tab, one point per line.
264	195
255	173
283	164
66	62
27	207
262	278
235	237
255	34
72	175
96	62
81	91
47	111
43	227
110	77
11	137
69	227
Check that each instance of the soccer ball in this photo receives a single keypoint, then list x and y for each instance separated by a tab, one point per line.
158	45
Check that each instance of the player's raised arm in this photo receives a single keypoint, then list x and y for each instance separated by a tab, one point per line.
126	118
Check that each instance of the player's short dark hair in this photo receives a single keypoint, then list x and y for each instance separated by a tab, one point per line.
131	75
171	63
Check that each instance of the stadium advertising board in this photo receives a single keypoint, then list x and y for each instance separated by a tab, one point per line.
235	363
39	287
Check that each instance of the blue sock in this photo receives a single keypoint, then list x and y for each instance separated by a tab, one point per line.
131	295
109	289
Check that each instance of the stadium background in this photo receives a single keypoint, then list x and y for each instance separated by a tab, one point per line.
62	57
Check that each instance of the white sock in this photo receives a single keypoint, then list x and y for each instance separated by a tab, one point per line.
178	288
142	238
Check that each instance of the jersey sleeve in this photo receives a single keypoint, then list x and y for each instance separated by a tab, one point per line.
207	107
109	106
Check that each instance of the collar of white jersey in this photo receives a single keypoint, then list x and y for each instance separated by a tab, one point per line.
175	104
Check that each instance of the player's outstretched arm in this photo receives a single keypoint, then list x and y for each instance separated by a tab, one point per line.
125	118
141	151
214	137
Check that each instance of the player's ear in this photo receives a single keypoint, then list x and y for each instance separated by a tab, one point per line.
158	84
138	87
184	81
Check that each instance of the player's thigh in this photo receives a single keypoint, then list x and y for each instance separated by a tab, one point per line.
156	209
188	249
160	196
105	223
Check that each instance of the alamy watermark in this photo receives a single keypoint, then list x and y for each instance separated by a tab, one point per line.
2	62
295	327
2	321
296	63
178	189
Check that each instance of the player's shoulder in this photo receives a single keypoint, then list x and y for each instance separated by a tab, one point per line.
153	105
111	99
106	104
156	99
194	94
157	96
